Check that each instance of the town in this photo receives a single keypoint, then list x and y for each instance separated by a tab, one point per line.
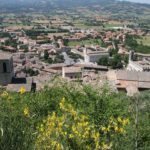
74	75
35	49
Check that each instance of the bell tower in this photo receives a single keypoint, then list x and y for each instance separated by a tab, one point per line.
6	68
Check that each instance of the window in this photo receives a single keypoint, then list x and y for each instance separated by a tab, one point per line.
4	67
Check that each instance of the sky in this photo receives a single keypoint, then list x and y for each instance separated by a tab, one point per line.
140	1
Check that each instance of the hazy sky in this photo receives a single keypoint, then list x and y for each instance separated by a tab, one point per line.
140	1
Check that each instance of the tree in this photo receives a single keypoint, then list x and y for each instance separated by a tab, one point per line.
66	41
116	62
104	61
46	55
113	52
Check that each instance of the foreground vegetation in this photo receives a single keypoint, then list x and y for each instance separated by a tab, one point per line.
71	116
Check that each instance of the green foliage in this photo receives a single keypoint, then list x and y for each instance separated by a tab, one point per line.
131	41
113	52
38	32
46	55
116	62
74	55
11	42
66	41
31	72
21	114
4	35
104	61
87	41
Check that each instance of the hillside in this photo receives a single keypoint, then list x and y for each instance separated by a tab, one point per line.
69	116
112	7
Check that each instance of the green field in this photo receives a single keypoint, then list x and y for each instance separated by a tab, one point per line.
112	25
145	40
85	42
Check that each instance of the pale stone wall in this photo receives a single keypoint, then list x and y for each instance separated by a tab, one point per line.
132	66
95	58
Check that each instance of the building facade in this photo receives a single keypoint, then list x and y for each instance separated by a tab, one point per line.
6	69
94	56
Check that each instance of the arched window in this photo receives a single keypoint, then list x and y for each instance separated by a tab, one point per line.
4	67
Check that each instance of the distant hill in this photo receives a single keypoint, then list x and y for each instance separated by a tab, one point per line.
5	4
139	1
116	8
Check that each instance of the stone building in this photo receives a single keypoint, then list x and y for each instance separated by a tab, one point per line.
6	68
72	72
94	56
141	66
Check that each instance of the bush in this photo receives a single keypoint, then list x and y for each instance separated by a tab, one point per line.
33	120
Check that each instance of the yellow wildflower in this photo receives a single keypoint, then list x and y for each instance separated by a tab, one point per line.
4	94
58	146
104	129
74	130
88	147
71	136
41	128
97	144
26	112
54	143
119	119
107	146
22	90
62	103
96	136
121	130
116	129
73	112
125	121
109	127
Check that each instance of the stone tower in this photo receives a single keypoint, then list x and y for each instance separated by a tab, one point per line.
131	55
86	58
6	68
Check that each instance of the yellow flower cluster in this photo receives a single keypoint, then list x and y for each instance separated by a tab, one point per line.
22	90
116	125
59	131
124	121
55	131
5	95
26	112
106	146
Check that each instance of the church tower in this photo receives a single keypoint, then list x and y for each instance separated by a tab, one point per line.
6	68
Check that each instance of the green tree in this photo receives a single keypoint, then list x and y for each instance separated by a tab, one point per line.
116	62
104	61
46	55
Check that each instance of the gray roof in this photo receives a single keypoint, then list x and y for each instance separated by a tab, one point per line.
72	69
133	76
57	65
5	56
127	75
